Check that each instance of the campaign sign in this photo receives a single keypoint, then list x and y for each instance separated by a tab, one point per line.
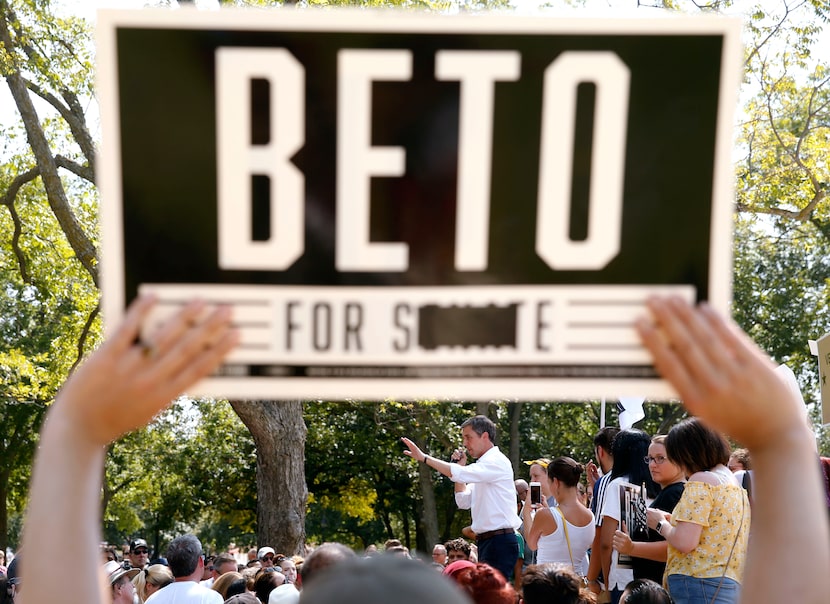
409	206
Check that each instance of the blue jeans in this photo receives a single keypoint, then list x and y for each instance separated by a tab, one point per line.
500	552
692	590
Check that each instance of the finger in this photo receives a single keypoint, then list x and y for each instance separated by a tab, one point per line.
204	363
716	357
688	334
193	341
624	528
176	326
665	360
130	328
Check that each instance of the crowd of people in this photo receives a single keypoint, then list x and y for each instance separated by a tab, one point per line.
724	380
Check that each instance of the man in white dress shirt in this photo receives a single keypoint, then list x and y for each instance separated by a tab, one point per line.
485	488
187	563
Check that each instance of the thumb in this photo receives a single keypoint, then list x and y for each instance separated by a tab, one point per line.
624	527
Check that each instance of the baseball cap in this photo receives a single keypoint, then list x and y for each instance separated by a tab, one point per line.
264	550
116	570
457	566
136	543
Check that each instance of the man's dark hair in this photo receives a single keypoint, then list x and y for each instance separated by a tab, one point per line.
605	438
542	583
481	424
183	555
326	555
459	545
695	447
646	591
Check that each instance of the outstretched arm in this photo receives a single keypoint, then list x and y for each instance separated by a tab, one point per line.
118	389
726	380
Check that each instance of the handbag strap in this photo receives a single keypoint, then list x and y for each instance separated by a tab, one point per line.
567	539
731	551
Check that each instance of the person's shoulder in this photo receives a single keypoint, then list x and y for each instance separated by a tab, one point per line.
203	595
494	455
705	477
617	481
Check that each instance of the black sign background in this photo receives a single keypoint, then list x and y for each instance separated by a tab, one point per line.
168	128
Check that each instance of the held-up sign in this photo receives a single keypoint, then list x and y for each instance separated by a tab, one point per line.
412	206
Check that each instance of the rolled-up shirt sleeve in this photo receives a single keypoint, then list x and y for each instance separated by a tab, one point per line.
483	470
464	499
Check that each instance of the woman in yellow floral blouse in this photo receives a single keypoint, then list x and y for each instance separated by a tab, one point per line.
708	531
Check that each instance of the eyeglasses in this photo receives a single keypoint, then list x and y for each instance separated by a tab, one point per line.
141	552
268	557
658	460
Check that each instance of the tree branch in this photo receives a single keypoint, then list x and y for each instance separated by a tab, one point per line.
81	244
72	113
819	194
8	200
84	172
84	335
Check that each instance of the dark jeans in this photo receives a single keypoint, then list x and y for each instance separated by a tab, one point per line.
500	552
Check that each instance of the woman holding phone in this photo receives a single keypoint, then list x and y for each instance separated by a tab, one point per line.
564	532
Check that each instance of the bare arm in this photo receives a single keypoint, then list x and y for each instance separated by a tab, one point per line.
650	550
606	540
413	451
724	378
684	537
118	389
542	523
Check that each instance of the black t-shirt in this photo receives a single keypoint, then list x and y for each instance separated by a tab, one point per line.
665	500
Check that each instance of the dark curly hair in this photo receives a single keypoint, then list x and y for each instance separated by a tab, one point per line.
544	583
459	545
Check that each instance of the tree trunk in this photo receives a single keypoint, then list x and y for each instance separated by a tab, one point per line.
515	412
279	433
4	510
429	511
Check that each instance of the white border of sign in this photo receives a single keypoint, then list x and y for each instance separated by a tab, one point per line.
386	21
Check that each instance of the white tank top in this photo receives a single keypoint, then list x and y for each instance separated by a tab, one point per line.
554	547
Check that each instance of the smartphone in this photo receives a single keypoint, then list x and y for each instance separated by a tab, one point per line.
535	493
